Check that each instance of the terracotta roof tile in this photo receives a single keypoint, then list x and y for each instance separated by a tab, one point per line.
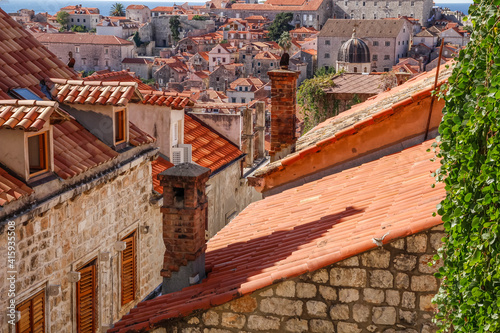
136	7
11	188
306	228
176	101
28	115
120	76
210	150
76	150
24	61
138	137
94	92
158	166
80	38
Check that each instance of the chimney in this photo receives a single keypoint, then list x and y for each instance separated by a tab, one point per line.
184	223
260	110
248	136
283	112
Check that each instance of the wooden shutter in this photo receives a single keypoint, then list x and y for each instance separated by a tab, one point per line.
32	314
128	274
86	297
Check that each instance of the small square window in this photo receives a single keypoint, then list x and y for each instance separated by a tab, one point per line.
243	100
412	3
375	43
387	43
327	42
327	55
387	57
400	3
374	57
233	100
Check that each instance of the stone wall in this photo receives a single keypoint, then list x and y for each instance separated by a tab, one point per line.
77	230
383	290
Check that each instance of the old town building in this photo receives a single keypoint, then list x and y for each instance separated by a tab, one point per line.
83	16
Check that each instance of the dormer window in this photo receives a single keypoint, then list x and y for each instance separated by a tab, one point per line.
38	158
119	123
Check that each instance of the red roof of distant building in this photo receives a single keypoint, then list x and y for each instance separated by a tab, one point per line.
120	76
165	98
12	188
210	150
307	228
136	7
158	166
80	38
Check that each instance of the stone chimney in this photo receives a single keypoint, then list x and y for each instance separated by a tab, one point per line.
248	135
184	223
260	128
283	112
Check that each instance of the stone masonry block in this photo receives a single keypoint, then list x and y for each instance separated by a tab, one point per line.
426	303
360	313
286	289
424	267
384	315
261	323
306	290
435	240
344	327
424	283
316	309
348	277
375	296
348	295
349	262
408	300
244	304
339	312
321	326
328	293
381	279
392	297
402	281
416	243
320	276
281	306
405	262
378	258
233	320
296	325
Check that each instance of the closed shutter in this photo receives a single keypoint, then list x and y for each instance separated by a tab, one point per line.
86	297
32	314
128	276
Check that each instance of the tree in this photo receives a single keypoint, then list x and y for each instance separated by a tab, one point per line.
78	28
137	39
469	149
117	10
285	41
175	26
199	18
280	24
62	18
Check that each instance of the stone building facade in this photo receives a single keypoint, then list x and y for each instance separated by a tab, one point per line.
373	9
139	13
162	35
383	290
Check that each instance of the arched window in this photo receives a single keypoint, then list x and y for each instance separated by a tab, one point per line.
364	70
355	69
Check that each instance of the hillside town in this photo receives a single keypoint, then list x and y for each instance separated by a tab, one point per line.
163	170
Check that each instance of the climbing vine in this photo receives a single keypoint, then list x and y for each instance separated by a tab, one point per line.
469	149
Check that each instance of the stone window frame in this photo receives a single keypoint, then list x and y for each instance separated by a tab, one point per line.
374	57
375	43
327	55
387	43
387	57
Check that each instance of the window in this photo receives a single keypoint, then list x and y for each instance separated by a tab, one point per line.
386	69
363	16
304	17
86	298
387	43
365	71
96	62
387	57
38	153
129	269
400	3
375	3
217	79
233	100
83	20
213	59
411	15
345	3
364	3
355	69
77	20
374	57
327	42
107	63
422	40
258	64
387	4
223	59
72	20
404	29
271	64
399	43
412	3
218	50
32	314
246	88
240	88
119	126
175	134
243	57
106	51
327	55
374	16
375	43
310	17
352	16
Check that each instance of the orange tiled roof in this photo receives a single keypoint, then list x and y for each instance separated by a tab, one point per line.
164	98
94	92
80	38
76	150
138	137
210	150
27	115
158	166
11	188
162	9
307	228
24	61
136	7
121	76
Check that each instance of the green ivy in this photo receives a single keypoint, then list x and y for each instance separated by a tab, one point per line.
469	149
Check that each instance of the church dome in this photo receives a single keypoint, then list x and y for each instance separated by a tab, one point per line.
354	51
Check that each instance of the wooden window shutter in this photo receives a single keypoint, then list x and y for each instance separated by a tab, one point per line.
32	314
86	298
128	273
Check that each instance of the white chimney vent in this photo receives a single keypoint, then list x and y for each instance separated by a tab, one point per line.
181	154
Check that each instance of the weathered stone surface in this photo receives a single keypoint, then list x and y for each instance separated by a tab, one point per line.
373	295
402	281
216	330
428	328
191	330
230	319
408	300
320	276
398	244
424	267
343	327
321	326
423	283
381	279
261	323
296	325
392	297
193	321
244	304
405	262
384	315
339	312
436	240
426	303
286	289
211	318
349	262
267	293
316	309
306	290
348	295
360	313
378	258
281	306
408	317
416	243
328	293
348	277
